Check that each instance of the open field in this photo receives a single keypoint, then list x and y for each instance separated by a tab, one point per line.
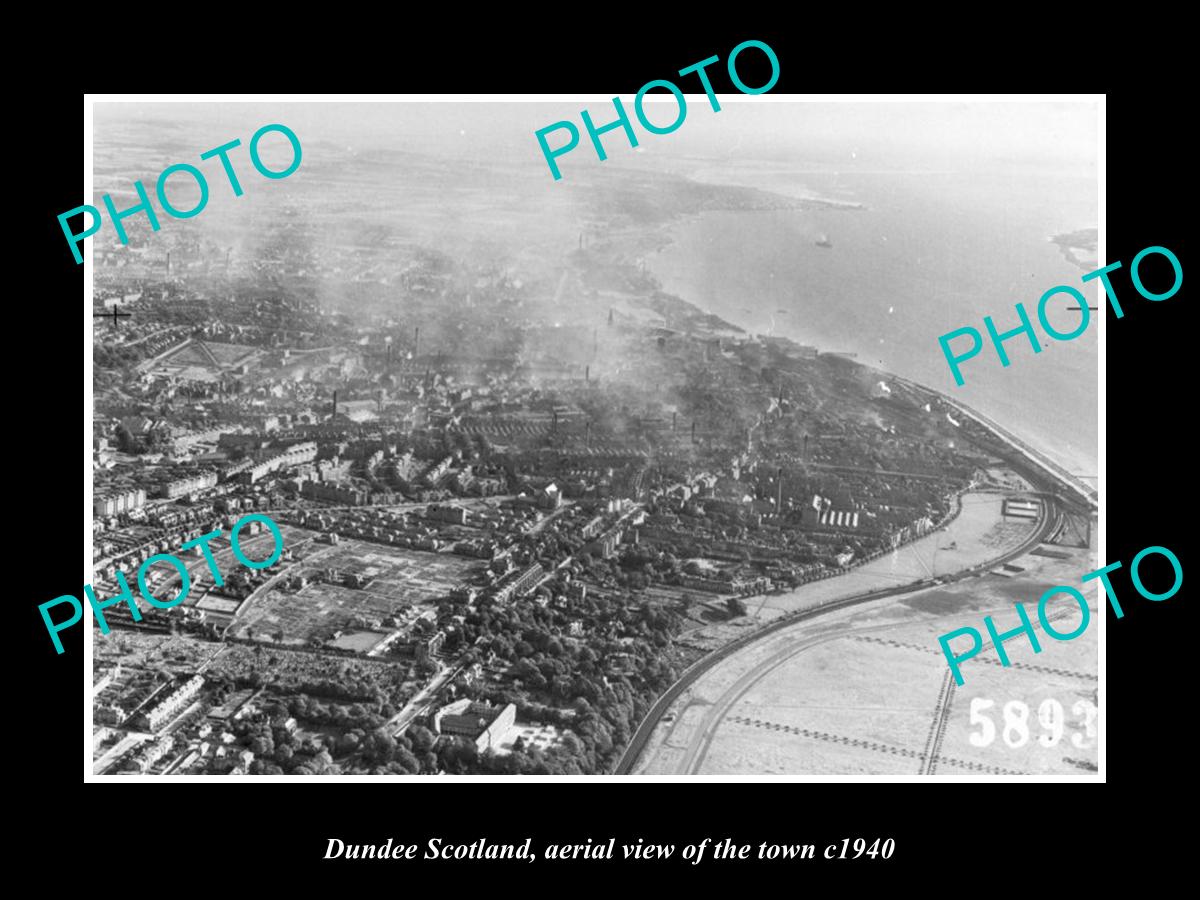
357	641
298	541
399	578
215	603
867	690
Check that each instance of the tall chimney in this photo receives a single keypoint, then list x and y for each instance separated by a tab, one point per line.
587	435
587	373
168	263
805	452
334	413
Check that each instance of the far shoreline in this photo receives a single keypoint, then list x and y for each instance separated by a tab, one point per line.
1079	248
1055	465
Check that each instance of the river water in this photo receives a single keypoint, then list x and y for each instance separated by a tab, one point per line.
932	252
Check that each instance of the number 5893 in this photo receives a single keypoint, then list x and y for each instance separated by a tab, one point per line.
1014	727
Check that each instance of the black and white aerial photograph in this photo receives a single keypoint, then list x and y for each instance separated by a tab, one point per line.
437	464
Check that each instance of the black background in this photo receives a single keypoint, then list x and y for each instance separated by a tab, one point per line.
995	834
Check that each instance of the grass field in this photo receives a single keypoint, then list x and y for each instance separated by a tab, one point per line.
400	578
358	641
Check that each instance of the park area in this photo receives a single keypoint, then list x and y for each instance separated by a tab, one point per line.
396	579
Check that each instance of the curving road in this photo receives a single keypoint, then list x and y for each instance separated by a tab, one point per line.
699	744
1050	521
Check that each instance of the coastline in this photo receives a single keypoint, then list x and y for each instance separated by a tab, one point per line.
1057	473
801	617
1057	460
1079	248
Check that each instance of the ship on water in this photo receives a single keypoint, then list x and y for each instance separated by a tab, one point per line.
824	242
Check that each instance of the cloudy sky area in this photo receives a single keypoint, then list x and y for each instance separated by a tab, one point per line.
864	136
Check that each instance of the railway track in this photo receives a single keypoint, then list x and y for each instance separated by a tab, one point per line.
941	718
1051	519
937	732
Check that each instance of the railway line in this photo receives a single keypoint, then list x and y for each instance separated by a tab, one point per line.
941	719
1049	522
